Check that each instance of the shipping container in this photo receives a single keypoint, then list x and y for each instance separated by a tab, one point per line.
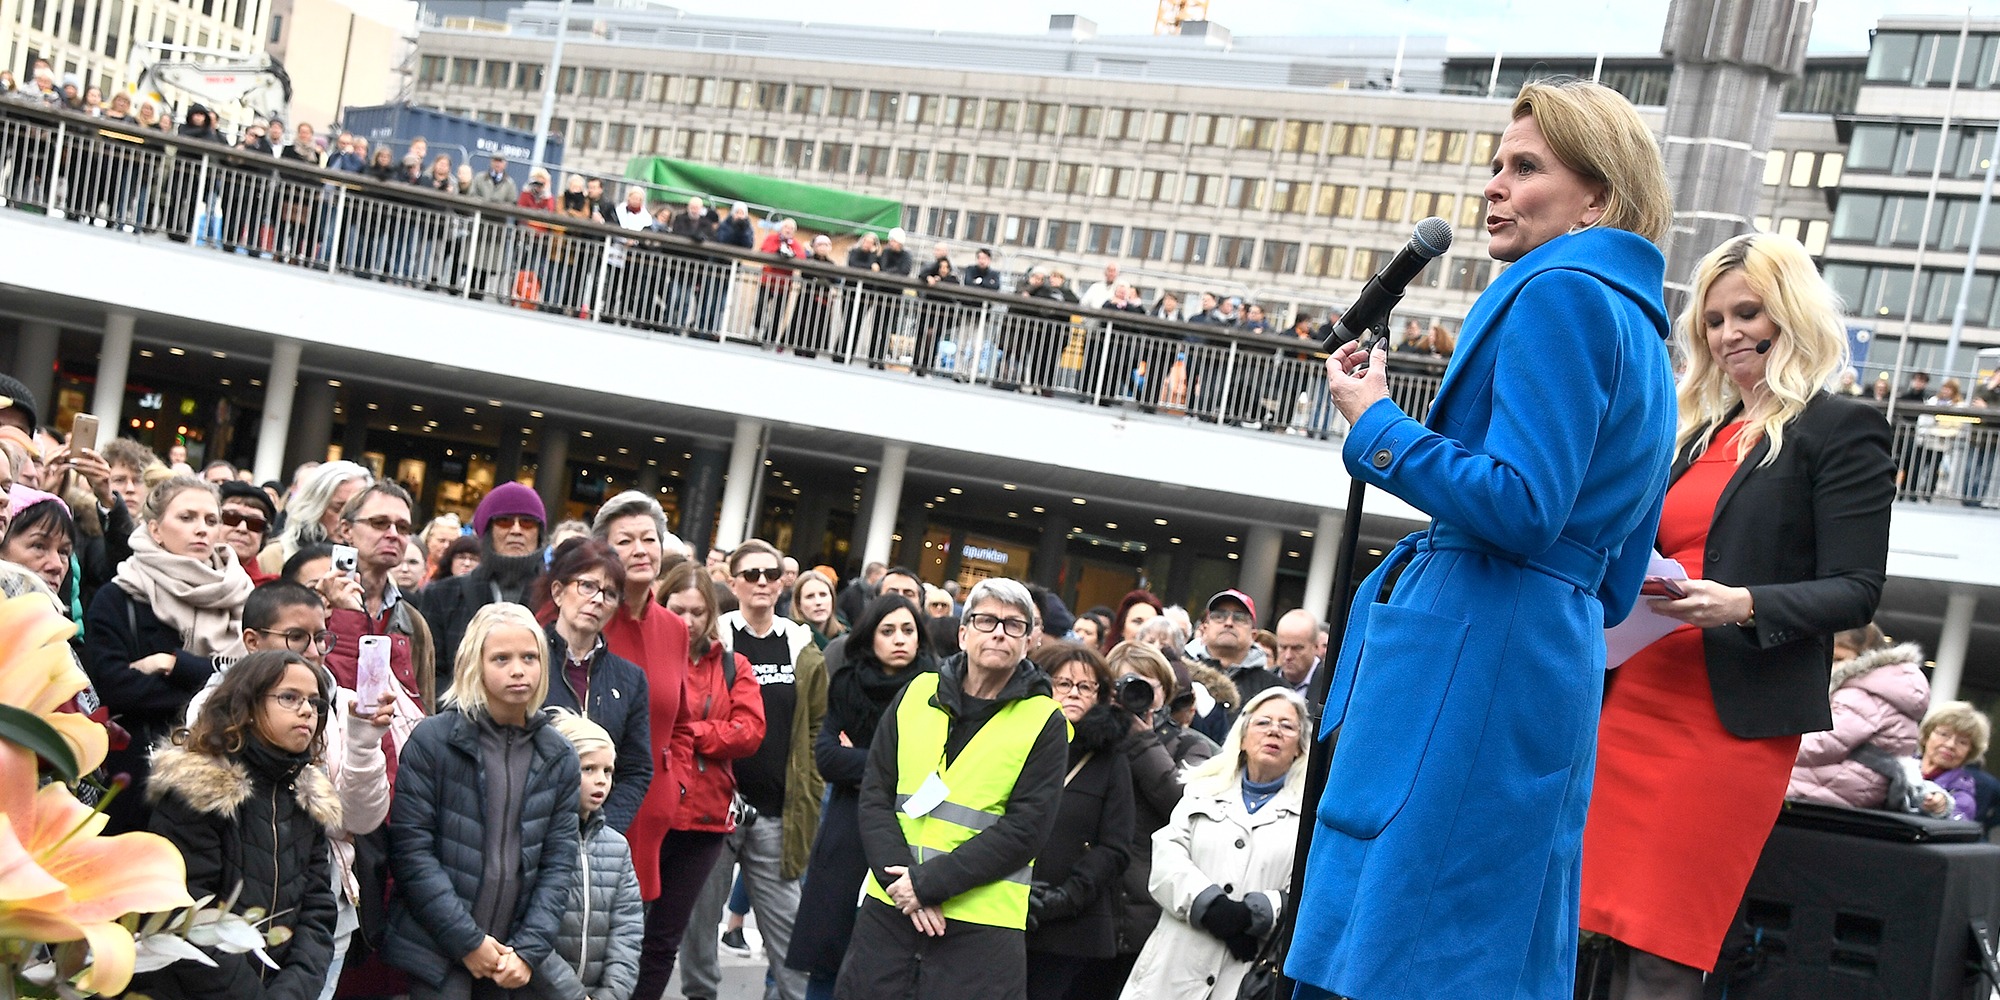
462	139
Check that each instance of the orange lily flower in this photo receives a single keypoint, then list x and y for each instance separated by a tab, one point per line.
38	674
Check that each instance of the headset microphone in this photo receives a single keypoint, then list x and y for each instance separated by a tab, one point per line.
1764	346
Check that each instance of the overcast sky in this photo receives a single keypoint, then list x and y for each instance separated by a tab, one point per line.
1548	26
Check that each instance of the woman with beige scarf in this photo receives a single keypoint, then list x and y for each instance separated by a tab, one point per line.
154	636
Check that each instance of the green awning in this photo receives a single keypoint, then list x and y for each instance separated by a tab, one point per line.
816	208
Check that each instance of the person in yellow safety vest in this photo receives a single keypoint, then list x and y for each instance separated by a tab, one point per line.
964	779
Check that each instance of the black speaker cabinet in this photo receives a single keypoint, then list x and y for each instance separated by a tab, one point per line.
1836	916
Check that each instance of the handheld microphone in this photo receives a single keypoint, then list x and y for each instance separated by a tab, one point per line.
1379	297
1764	346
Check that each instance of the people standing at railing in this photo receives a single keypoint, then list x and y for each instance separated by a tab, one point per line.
737	230
1779	513
489	257
775	283
809	329
697	291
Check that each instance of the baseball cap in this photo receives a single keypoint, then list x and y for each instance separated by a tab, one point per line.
1234	595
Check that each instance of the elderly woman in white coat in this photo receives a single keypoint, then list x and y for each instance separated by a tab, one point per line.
1221	864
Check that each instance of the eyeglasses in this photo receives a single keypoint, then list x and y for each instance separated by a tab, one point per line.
241	518
1014	627
297	638
1225	616
292	701
382	523
1266	724
505	522
771	575
1064	685
591	590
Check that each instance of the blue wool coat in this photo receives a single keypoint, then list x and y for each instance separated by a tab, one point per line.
1446	849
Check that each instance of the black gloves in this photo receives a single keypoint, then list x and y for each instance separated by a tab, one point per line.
1243	946
1048	904
1227	918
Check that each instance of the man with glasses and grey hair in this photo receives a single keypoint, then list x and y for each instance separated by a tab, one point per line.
964	778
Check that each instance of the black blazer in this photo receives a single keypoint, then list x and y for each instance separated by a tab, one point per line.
1808	535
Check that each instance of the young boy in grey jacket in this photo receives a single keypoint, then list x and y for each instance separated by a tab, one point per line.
597	950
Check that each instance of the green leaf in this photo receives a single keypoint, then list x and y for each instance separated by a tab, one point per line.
27	729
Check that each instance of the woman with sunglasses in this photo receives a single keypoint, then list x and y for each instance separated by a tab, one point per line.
584	587
240	793
152	638
246	514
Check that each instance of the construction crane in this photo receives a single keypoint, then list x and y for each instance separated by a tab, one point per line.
1174	13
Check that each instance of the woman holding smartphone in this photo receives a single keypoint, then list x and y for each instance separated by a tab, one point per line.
1779	512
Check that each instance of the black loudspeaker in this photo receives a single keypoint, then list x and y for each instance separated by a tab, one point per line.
1833	915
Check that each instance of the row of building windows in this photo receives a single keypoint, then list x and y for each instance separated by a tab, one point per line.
103	27
1177	128
843	160
1804	169
1229	252
1927	59
1911	148
1882	291
1893	220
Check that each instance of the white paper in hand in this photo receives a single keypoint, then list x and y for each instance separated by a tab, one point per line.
1642	626
371	672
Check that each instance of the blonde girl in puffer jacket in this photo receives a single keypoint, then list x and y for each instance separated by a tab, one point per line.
1879	697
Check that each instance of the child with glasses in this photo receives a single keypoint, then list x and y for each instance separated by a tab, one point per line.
240	794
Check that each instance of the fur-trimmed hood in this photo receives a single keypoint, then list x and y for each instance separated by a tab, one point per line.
1902	653
220	785
1219	686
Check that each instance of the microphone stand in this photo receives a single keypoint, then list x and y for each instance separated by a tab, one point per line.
1319	759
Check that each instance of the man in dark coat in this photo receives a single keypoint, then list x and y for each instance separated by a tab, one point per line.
509	523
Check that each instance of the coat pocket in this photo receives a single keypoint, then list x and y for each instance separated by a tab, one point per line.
1408	658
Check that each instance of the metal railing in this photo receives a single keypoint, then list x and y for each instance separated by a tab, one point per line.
210	196
1948	457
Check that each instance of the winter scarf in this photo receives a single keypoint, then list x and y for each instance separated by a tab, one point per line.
863	691
202	600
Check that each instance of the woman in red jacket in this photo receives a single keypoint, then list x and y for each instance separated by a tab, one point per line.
721	720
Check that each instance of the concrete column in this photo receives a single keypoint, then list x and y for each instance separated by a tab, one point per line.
114	364
1319	571
1952	641
648	481
1049	552
746	463
954	559
35	365
1258	572
552	468
314	426
276	425
883	499
700	492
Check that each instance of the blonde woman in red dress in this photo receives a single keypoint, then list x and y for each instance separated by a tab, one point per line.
1779	512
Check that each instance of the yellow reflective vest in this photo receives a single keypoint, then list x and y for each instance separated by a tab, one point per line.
980	781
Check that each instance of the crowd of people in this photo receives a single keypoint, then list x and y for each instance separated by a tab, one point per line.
543	768
534	757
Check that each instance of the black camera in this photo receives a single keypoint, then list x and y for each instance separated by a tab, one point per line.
1135	693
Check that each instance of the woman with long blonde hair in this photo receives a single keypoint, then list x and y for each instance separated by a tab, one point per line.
1779	513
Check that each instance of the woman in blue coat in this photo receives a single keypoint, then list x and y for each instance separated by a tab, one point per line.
1445	854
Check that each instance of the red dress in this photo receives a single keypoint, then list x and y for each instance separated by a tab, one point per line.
1681	807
